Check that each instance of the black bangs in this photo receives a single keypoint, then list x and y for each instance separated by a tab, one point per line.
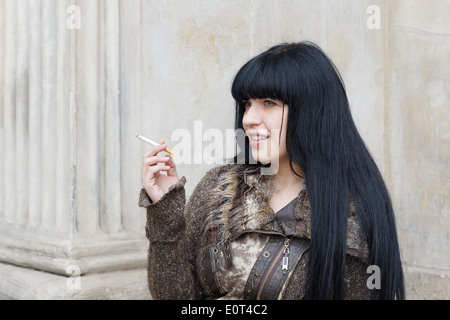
261	78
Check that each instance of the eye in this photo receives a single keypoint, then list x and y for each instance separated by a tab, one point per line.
269	103
246	104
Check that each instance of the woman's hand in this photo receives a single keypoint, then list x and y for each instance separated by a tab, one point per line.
156	184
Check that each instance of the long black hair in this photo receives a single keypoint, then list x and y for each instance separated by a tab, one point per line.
323	140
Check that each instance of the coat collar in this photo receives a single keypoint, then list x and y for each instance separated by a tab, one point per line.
252	213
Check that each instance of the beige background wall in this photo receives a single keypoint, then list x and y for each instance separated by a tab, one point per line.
79	79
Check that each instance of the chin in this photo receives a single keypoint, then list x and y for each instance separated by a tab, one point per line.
260	158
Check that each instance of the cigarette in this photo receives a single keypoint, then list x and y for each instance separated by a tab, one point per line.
152	143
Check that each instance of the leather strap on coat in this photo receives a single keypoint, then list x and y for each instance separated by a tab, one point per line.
219	256
268	278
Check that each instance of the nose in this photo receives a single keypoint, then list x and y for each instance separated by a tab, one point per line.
253	115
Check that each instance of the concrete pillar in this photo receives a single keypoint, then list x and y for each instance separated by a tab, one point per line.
62	211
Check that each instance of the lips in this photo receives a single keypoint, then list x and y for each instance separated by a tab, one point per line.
257	138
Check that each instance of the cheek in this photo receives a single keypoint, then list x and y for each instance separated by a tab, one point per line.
280	141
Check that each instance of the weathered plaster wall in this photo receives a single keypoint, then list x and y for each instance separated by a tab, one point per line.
79	79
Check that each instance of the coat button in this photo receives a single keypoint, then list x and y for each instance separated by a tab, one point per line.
266	254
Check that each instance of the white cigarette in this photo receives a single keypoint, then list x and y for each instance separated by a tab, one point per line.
152	143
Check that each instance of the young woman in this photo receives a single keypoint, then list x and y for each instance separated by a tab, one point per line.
301	216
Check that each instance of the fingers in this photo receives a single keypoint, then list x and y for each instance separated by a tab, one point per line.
153	164
152	160
170	162
156	149
152	171
150	176
173	170
158	168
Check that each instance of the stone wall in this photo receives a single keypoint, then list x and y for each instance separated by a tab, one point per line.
79	79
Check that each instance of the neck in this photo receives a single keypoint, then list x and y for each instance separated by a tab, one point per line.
285	179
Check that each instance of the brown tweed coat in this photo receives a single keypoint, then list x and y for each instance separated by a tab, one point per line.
180	233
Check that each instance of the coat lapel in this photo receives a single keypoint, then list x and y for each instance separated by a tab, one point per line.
233	216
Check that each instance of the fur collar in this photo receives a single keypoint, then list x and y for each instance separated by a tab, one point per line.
232	216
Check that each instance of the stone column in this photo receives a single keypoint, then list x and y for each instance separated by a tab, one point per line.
70	226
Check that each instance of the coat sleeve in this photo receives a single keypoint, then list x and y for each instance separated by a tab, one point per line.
173	232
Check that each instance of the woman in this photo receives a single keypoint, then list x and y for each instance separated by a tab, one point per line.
303	221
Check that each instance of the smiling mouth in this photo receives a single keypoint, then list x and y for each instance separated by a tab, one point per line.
258	138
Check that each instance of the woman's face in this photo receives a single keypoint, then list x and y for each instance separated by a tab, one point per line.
262	123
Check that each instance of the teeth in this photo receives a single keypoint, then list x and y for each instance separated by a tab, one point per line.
256	138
